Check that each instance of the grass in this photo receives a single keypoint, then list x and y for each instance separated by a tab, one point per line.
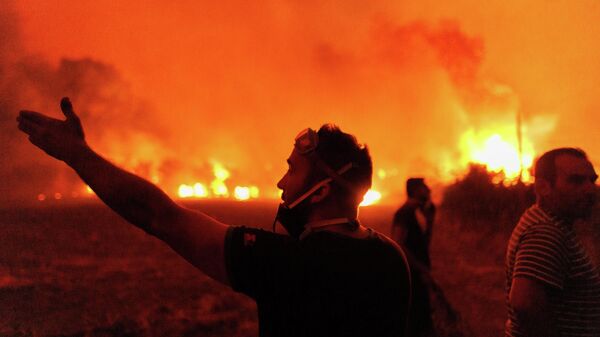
79	270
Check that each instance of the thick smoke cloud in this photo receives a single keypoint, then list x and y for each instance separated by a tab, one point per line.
172	88
102	97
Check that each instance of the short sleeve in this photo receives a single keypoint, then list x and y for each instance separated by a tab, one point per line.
542	256
258	260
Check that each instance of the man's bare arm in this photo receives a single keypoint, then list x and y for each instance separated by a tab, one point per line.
429	213
529	300
194	235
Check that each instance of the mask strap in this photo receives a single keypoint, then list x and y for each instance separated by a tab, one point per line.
310	191
318	225
320	184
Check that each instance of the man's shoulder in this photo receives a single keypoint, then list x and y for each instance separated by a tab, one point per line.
538	236
388	245
383	239
407	207
535	220
373	244
405	211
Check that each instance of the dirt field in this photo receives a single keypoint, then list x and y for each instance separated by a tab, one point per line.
79	270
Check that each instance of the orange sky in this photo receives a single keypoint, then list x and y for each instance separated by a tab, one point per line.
234	81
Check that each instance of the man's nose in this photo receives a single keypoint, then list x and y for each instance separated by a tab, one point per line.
590	187
280	183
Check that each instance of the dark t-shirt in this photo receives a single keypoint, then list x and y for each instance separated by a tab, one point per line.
416	241
324	285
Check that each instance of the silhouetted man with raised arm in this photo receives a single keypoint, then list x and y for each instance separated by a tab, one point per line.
330	277
553	287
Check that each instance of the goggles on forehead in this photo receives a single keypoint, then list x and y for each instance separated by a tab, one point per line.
306	143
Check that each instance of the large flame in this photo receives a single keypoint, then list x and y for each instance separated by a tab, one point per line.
498	150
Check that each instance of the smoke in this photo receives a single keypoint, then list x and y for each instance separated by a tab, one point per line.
173	88
102	98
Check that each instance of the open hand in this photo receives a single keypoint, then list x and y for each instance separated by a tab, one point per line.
60	139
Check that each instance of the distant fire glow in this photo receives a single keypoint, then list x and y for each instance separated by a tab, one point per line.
188	191
499	152
371	197
245	193
218	187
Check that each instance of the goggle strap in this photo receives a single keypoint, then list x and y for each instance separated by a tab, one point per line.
336	175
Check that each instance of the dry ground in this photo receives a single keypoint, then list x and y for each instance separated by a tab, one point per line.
79	270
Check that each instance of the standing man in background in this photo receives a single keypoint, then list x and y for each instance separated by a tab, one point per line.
553	287
411	229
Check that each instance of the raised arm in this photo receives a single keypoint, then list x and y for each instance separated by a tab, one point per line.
194	235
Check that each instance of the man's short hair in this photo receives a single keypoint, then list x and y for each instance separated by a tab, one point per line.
545	166
337	148
412	185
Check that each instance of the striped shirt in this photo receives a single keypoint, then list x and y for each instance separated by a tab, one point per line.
548	250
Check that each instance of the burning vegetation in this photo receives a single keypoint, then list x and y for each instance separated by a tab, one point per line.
210	113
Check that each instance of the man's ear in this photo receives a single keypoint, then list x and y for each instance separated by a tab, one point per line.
321	193
542	187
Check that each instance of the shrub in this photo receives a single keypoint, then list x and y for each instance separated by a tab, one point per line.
482	200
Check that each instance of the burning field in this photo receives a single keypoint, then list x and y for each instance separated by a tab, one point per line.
80	270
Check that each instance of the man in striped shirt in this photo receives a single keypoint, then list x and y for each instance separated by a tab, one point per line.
553	288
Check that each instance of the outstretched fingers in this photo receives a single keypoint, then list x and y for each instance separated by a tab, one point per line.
29	126
36	140
36	117
67	108
75	123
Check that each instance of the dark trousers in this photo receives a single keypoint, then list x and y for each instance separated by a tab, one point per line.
420	323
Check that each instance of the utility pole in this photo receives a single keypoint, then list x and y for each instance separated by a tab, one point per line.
520	141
